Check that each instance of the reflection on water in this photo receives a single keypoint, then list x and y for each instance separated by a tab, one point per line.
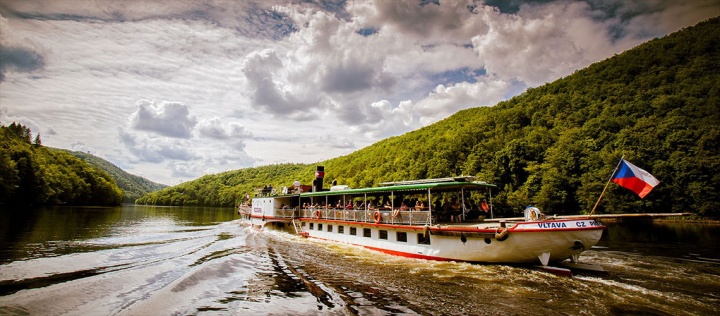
149	260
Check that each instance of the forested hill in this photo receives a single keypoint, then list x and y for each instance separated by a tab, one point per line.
554	146
32	174
132	185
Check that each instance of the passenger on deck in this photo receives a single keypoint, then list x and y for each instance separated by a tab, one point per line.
419	206
404	207
388	205
446	211
349	206
456	211
472	210
339	205
371	205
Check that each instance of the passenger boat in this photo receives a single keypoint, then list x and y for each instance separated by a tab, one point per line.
438	219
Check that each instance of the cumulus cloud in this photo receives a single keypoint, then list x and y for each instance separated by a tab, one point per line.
432	23
155	149
171	119
216	129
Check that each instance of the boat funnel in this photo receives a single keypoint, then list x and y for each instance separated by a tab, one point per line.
319	175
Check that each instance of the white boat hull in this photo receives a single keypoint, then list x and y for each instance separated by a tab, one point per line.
525	242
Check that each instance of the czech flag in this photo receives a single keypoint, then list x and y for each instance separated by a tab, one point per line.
635	179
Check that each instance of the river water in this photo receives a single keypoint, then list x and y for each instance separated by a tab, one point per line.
140	260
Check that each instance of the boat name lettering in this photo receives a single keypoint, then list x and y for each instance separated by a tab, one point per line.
587	224
257	210
552	225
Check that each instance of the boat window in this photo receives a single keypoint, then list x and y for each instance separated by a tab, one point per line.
367	232
353	231
312	225
422	239
341	229
319	226
330	228
382	234
401	236
303	224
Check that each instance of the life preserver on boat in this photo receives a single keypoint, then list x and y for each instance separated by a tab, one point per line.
377	217
318	214
395	213
484	205
501	235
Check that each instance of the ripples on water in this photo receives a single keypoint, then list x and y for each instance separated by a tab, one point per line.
161	266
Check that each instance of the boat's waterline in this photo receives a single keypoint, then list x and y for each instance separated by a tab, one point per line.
523	242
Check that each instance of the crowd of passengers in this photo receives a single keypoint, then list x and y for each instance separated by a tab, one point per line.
448	210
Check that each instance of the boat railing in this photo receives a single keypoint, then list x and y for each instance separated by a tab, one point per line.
410	217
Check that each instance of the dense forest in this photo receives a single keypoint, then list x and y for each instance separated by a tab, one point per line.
32	174
132	185
554	146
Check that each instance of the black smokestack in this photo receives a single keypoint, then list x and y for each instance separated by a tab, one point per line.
319	175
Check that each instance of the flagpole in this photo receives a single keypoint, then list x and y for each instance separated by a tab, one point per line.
606	185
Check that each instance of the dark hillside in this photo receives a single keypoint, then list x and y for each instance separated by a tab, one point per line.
32	174
556	146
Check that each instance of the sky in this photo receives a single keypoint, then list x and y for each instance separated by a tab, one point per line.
172	89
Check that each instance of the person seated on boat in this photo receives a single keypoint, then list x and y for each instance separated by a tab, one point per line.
339	205
484	209
371	205
349	206
445	211
456	215
404	207
472	210
419	206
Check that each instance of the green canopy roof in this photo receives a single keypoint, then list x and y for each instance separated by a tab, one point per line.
475	185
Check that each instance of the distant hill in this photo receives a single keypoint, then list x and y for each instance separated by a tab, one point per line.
134	186
554	146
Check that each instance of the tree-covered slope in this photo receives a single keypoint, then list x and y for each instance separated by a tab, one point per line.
32	174
554	146
133	186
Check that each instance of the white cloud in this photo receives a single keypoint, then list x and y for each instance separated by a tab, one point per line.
170	119
216	129
155	149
